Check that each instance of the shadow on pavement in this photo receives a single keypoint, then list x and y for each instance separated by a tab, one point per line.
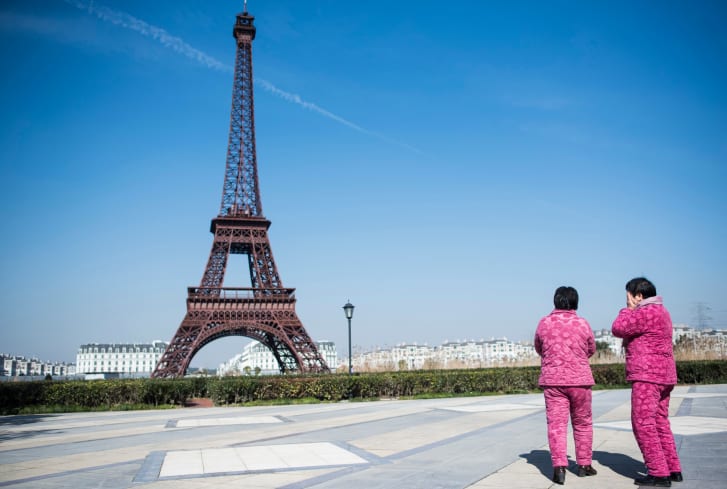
618	462
23	419
541	460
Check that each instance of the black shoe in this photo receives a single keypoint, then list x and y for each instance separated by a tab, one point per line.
652	481
676	477
559	475
584	470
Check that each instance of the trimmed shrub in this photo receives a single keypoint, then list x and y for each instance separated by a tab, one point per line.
121	393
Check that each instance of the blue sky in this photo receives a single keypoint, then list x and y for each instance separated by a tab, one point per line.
442	165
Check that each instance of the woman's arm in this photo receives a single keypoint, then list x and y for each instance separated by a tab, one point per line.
591	343
628	324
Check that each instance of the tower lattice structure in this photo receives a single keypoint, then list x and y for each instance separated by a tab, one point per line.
265	311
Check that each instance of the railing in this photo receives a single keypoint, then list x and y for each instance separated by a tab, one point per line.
239	293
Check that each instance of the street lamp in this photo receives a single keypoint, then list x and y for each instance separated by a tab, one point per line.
348	310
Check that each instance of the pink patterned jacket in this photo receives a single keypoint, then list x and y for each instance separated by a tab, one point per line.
647	338
564	341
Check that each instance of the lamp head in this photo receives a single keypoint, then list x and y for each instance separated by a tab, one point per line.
348	310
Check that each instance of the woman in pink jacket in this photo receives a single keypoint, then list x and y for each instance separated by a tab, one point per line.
565	341
646	329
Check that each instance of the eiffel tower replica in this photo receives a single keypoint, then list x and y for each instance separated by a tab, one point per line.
266	311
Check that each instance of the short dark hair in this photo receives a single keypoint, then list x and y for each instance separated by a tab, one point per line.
641	285
566	298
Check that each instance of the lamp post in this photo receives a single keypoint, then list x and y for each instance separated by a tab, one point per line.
348	310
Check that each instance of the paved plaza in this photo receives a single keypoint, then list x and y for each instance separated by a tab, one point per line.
470	442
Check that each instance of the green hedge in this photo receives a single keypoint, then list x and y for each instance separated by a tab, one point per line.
17	397
98	394
703	372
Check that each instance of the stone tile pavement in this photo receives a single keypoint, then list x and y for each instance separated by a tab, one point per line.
474	442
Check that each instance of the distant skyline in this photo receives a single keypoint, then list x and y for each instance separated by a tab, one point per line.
442	165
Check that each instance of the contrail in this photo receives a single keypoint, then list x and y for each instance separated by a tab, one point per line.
291	97
130	22
157	33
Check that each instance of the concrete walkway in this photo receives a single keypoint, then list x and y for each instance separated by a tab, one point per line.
476	442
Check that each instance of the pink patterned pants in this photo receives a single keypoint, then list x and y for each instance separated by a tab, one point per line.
560	403
650	422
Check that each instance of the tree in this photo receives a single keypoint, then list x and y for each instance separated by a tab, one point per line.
431	364
603	347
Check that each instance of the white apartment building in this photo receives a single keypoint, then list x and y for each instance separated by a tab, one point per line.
126	359
412	355
457	352
450	354
378	359
327	349
684	331
713	340
501	349
14	365
605	336
486	352
257	358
